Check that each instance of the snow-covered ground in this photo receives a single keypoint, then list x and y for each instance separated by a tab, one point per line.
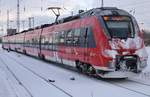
145	76
5	90
23	76
148	67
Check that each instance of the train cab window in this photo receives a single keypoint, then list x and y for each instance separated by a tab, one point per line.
119	26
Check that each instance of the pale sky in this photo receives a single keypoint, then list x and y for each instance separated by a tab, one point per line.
32	8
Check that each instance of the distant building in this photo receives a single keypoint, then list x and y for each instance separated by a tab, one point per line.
11	31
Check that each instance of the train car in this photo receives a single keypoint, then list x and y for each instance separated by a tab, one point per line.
102	41
5	42
12	42
19	42
31	42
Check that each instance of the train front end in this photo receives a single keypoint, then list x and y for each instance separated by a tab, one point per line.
125	50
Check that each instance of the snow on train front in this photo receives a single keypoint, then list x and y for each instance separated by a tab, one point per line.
127	49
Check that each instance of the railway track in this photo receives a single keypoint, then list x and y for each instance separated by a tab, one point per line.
116	82
130	88
19	82
138	82
49	81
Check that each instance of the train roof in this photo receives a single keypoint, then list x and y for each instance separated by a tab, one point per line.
95	11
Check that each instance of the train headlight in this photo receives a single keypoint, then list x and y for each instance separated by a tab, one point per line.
110	53
111	64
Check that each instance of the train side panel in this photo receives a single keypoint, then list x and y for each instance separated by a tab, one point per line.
31	42
19	42
5	42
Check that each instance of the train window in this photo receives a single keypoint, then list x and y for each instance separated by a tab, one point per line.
50	40
55	41
42	42
76	40
77	32
62	38
69	33
25	43
42	39
28	43
69	37
34	43
50	43
46	42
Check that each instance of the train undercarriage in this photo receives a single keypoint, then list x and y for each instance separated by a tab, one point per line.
124	67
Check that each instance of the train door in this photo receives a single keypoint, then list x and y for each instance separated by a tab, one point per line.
36	43
24	42
40	42
85	40
55	47
88	42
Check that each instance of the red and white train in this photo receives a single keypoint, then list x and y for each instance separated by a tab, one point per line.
103	41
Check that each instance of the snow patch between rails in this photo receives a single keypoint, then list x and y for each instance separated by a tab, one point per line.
5	89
